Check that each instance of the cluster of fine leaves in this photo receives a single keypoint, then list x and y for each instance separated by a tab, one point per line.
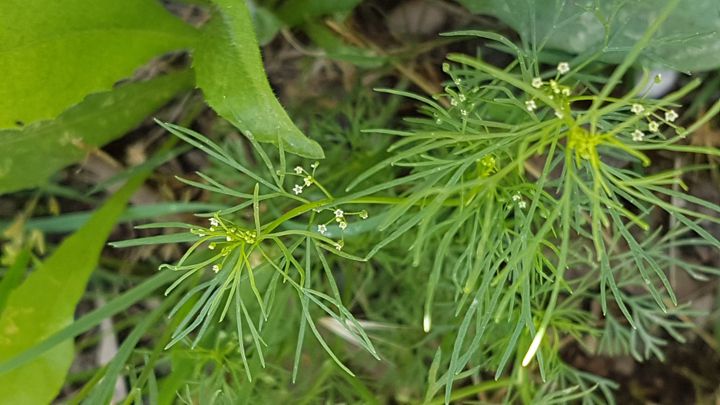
517	208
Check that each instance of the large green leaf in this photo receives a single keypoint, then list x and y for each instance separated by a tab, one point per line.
53	53
688	40
28	156
229	70
45	303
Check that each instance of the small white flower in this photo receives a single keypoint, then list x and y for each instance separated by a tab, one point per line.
522	204
339	213
315	165
537	82
530	105
211	246
214	222
638	135
215	268
457	81
566	91
453	102
308	180
637	109
322	229
228	238
653	126
342	225
516	197
298	170
558	114
339	245
297	189
671	116
464	113
563	67
363	214
461	97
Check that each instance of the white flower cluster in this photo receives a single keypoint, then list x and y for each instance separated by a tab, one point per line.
521	203
652	125
307	178
224	234
555	89
339	217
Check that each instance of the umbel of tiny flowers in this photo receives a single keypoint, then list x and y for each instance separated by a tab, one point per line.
340	217
308	179
517	198
554	90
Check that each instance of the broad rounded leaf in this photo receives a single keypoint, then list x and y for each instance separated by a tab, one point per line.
53	53
30	155
689	40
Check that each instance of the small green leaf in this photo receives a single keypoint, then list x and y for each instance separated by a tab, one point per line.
230	73
54	53
45	303
32	154
688	40
336	49
266	24
294	12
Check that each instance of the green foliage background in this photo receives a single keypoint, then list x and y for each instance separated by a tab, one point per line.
70	83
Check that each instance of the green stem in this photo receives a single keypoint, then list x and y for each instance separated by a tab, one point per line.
472	390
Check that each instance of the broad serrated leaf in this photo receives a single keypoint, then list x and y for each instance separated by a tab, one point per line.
45	303
30	155
230	72
54	53
689	39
